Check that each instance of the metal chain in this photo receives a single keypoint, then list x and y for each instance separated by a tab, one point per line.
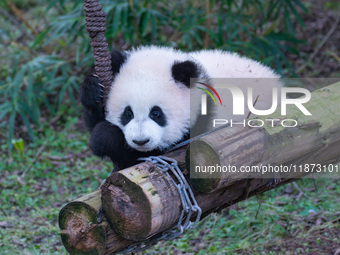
188	200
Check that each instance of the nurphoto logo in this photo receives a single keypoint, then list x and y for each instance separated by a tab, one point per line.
239	99
242	103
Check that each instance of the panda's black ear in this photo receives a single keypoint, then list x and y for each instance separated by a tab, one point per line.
118	58
183	71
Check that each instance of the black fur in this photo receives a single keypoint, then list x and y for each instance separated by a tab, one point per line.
118	59
183	71
126	116
107	140
158	116
91	93
90	97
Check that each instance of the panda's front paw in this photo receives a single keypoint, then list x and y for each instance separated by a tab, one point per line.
107	140
91	92
91	99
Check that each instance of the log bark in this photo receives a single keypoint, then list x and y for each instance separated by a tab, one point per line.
123	209
315	140
140	199
152	195
309	142
82	234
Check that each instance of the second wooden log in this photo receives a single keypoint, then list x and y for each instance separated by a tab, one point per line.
314	139
140	199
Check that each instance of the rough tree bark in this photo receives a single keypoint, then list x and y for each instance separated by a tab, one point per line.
315	140
135	195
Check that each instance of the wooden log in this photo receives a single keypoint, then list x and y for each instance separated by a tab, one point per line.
80	231
82	234
133	187
140	199
234	192
314	140
130	210
238	146
302	144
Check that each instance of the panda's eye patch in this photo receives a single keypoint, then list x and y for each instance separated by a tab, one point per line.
157	115
129	113
126	116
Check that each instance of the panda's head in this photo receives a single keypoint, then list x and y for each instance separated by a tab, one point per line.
150	97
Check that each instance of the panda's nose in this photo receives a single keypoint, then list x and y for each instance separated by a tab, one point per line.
141	142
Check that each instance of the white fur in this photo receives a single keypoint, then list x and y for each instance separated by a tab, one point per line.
222	64
145	80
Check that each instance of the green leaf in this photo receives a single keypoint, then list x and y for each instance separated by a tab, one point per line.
296	14
144	19
40	38
18	145
11	129
18	80
301	5
27	124
29	90
116	20
4	110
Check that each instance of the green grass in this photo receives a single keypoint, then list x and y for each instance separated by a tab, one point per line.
66	170
30	204
247	229
39	80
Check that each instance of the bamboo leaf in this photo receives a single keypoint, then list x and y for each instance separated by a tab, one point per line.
144	19
27	124
11	129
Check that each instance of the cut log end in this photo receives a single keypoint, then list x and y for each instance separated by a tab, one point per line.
126	207
140	201
201	154
80	232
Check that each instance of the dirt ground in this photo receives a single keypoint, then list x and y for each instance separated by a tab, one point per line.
320	56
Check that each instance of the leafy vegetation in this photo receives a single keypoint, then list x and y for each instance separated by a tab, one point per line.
45	51
34	188
51	52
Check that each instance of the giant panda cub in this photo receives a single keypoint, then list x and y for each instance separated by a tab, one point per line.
147	108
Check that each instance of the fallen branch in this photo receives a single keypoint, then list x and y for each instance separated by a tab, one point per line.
36	157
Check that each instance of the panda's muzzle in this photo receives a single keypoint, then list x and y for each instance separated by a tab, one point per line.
140	143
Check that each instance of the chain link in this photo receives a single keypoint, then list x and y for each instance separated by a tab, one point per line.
188	200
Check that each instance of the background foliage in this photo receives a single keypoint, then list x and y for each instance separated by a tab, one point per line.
44	54
50	54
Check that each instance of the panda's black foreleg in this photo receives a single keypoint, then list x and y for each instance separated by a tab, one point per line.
107	140
91	99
